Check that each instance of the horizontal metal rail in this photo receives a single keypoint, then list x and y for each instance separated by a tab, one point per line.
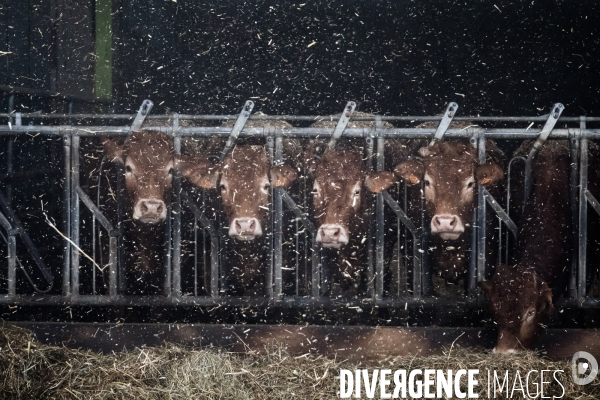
262	117
398	133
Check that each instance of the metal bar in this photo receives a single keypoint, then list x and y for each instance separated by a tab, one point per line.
371	229
593	201
85	199
583	205
9	147
379	226
418	250
310	118
481	218
508	197
307	223
270	235
574	145
66	214
143	112
176	217
408	133
167	275
557	109
33	251
445	122
278	224
237	128
112	266
341	125
205	301
510	224
122	277
74	215
214	242
12	264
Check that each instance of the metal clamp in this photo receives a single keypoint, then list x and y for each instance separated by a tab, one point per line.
341	125
237	128
143	112
557	110
445	122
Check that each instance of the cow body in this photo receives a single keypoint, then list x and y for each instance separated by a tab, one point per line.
341	182
520	296
243	181
149	161
450	171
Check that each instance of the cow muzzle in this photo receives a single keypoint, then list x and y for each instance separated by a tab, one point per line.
332	236
150	211
448	226
245	229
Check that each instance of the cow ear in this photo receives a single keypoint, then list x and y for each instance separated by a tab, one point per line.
282	176
486	286
200	172
379	181
545	304
113	151
489	174
411	171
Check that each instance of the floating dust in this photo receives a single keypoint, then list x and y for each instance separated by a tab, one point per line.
30	370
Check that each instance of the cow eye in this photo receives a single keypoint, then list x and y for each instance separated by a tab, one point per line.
128	169
223	187
170	171
356	192
267	186
471	184
427	183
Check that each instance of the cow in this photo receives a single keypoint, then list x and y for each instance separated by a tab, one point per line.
149	161
244	179
450	171
521	296
341	181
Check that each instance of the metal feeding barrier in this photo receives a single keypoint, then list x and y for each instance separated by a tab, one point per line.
307	266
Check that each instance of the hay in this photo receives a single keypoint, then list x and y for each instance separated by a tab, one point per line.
31	370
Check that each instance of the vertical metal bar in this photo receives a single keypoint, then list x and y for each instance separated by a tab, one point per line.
12	264
75	215
472	277
574	145
196	257
583	208
270	254
9	150
122	278
481	218
380	224
112	269
66	211
371	230
278	224
167	287
420	248
214	265
176	208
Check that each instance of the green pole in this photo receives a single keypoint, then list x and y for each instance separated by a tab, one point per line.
103	79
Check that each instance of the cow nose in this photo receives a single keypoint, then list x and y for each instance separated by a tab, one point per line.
150	211
151	207
245	228
445	222
332	235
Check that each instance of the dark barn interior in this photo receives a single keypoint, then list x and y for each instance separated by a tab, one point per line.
393	58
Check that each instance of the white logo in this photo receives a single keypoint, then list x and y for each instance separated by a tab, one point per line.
583	363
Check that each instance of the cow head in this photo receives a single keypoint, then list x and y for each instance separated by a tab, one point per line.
450	171
149	161
520	302
340	180
244	180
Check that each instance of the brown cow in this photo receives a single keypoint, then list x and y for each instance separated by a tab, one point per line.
244	181
520	296
149	160
340	183
451	172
